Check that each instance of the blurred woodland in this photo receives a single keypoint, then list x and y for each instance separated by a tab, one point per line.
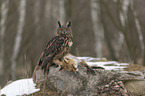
114	29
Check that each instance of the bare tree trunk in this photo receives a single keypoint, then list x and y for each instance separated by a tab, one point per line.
140	37
36	11
4	11
68	9
123	20
104	12
18	38
53	14
84	37
122	17
123	12
97	26
134	31
62	13
139	14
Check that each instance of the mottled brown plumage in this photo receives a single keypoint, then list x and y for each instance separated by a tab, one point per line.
57	47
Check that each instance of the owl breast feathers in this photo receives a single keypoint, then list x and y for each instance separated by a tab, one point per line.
56	48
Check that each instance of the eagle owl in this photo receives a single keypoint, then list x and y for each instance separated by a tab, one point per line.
57	47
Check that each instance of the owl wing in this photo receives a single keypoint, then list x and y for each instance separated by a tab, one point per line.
54	47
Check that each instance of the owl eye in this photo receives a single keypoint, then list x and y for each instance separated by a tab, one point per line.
60	29
67	29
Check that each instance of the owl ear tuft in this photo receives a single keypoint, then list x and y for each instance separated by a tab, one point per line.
59	24
68	24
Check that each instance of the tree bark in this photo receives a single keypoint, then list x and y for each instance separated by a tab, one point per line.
18	38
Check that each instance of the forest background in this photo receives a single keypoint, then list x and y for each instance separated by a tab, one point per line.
114	29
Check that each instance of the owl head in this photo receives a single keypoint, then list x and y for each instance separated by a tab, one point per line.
64	29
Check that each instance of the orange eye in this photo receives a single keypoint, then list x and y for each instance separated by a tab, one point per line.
67	29
60	29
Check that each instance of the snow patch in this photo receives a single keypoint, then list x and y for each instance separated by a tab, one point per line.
102	62
19	87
